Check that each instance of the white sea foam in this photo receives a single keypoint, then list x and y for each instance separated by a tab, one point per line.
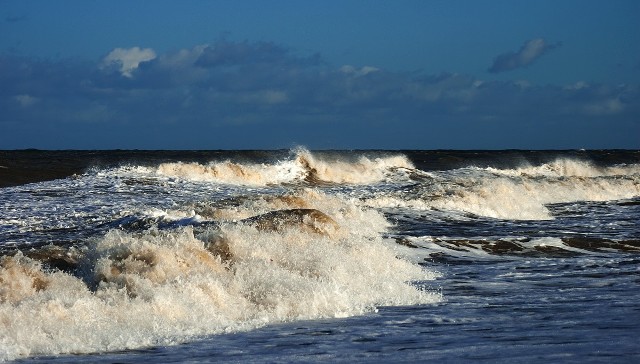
524	199
158	288
551	242
520	194
565	167
500	200
361	171
234	173
303	165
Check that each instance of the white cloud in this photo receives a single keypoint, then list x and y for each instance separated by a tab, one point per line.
529	52
128	59
532	50
363	71
445	87
605	107
577	86
183	58
25	100
261	97
274	97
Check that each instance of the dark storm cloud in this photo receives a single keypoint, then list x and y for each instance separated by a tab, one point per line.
276	95
528	53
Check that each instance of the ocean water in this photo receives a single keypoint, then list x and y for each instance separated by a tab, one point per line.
299	256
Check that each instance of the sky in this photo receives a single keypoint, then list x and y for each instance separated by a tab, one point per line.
451	74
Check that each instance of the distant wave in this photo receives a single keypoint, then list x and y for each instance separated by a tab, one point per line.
521	193
303	166
565	167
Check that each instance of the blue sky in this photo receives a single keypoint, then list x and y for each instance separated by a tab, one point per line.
325	74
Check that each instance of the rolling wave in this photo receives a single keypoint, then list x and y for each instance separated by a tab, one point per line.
516	194
303	166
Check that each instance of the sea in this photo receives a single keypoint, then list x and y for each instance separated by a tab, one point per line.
320	256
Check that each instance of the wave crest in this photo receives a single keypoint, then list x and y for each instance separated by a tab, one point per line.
566	167
517	194
303	166
361	171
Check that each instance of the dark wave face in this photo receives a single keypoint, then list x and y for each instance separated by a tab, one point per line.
118	250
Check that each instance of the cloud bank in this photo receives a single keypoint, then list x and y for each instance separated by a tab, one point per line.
528	53
264	95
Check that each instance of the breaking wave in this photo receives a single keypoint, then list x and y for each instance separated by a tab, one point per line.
159	287
565	167
303	165
518	194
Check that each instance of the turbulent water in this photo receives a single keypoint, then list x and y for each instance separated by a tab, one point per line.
316	256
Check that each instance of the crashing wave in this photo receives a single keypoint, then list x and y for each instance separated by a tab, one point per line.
159	287
303	166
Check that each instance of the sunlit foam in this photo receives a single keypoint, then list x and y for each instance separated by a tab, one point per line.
361	171
233	173
514	194
304	165
164	287
565	167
